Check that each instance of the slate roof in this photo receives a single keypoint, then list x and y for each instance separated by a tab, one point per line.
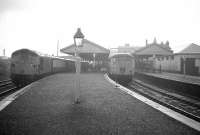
128	49
154	49
88	47
191	49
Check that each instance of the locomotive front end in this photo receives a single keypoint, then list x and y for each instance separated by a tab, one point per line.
122	68
24	66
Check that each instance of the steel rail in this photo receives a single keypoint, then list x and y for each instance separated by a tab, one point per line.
6	86
145	91
167	93
7	91
8	80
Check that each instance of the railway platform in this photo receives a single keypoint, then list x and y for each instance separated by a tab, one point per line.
183	84
47	107
177	77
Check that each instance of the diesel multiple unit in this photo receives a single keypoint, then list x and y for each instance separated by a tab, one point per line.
121	67
28	65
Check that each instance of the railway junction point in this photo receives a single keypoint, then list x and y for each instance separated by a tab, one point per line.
46	107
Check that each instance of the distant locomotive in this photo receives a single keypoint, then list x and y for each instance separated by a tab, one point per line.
121	67
28	65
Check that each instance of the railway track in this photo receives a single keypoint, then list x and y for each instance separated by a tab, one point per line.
184	105
6	87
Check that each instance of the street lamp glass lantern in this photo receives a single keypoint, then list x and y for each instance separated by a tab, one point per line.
78	42
78	38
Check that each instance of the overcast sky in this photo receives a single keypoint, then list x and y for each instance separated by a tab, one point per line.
38	24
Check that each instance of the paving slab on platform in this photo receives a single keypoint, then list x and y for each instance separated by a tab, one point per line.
47	109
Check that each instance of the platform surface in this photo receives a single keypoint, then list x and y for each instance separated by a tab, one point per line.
177	77
47	109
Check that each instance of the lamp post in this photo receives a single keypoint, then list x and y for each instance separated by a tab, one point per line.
78	38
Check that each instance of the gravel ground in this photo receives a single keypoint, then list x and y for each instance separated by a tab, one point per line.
48	109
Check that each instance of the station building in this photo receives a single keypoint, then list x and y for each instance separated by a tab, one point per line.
94	54
156	57
128	49
188	60
146	57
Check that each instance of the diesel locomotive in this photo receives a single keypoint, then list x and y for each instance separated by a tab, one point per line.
28	65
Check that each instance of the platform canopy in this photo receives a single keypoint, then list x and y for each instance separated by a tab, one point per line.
88	51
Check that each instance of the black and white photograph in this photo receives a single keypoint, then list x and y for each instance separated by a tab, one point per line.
99	67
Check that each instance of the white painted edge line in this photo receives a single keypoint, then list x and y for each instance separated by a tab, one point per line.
9	99
183	119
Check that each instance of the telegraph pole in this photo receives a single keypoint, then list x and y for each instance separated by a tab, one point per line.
57	47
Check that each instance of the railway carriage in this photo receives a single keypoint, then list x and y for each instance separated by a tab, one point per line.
121	67
28	65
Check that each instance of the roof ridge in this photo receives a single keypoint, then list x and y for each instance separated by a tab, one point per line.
169	50
95	44
191	48
85	41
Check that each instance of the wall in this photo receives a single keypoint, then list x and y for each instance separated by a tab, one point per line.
168	63
173	63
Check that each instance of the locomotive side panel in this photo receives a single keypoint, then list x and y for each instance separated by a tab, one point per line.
70	66
59	65
45	67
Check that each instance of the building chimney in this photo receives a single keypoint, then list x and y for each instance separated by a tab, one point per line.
4	52
155	41
146	42
167	43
